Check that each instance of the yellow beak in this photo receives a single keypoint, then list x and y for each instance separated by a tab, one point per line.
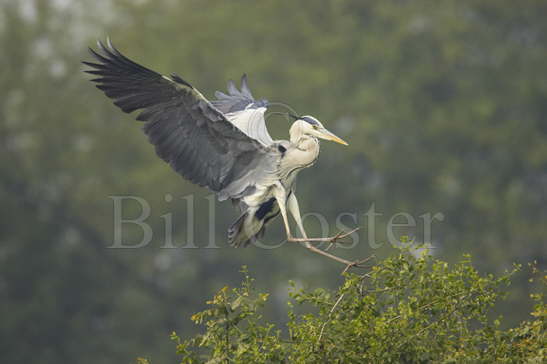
325	134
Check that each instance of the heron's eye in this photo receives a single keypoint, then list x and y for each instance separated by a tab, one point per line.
315	126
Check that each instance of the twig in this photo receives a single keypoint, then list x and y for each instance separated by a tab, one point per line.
423	329
328	319
428	305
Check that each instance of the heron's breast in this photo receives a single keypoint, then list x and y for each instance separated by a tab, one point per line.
262	193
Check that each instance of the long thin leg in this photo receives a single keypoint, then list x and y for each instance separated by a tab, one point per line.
281	197
282	201
294	209
292	204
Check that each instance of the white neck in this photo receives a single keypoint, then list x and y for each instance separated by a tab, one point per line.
296	132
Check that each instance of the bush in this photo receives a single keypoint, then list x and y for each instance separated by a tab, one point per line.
401	310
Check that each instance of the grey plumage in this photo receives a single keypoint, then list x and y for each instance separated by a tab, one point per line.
223	145
189	133
242	110
237	100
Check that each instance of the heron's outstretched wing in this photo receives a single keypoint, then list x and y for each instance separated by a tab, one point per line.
240	107
189	133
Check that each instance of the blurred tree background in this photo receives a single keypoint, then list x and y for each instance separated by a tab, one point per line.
444	105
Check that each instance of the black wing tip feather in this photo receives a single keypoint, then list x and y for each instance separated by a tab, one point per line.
108	58
127	83
179	79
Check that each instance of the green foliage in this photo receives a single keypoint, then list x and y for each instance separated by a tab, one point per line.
401	311
235	330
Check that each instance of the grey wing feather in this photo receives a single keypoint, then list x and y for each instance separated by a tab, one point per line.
242	110
245	87
188	132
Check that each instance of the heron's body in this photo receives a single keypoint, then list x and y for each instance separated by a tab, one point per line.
260	206
223	145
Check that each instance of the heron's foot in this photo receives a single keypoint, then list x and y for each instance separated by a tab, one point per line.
332	242
333	239
358	263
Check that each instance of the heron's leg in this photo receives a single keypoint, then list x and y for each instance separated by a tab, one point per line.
331	239
281	197
294	209
292	204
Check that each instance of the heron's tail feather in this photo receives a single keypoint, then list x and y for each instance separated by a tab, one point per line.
244	230
251	225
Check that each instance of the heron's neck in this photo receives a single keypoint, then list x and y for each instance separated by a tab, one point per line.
304	142
296	133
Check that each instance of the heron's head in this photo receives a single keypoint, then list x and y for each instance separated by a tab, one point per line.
308	125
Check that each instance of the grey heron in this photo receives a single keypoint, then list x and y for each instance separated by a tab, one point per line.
222	144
